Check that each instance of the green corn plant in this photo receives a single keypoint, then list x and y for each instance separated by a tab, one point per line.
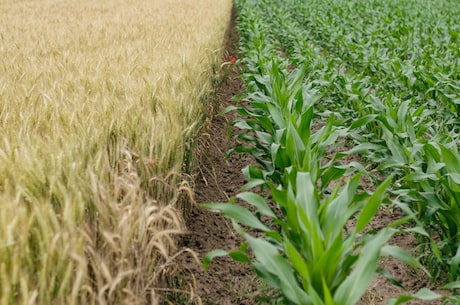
424	172
432	191
304	250
354	77
279	122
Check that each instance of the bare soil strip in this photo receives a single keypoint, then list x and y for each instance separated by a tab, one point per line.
217	179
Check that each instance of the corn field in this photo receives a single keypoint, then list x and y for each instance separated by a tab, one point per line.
326	80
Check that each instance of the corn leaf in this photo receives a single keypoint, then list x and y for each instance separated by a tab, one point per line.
357	282
257	201
237	213
211	255
372	205
269	257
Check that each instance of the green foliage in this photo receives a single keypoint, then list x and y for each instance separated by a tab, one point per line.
325	83
303	251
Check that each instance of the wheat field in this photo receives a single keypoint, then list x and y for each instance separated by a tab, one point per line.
99	104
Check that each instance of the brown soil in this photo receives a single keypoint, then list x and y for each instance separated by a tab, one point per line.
218	179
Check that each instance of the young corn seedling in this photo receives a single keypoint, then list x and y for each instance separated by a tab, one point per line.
426	172
432	191
279	123
304	250
294	151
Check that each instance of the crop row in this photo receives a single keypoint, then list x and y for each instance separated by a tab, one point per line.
100	106
323	86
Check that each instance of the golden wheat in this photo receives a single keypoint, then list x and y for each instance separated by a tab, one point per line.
98	100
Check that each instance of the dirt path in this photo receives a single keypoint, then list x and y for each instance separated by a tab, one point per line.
217	179
226	282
